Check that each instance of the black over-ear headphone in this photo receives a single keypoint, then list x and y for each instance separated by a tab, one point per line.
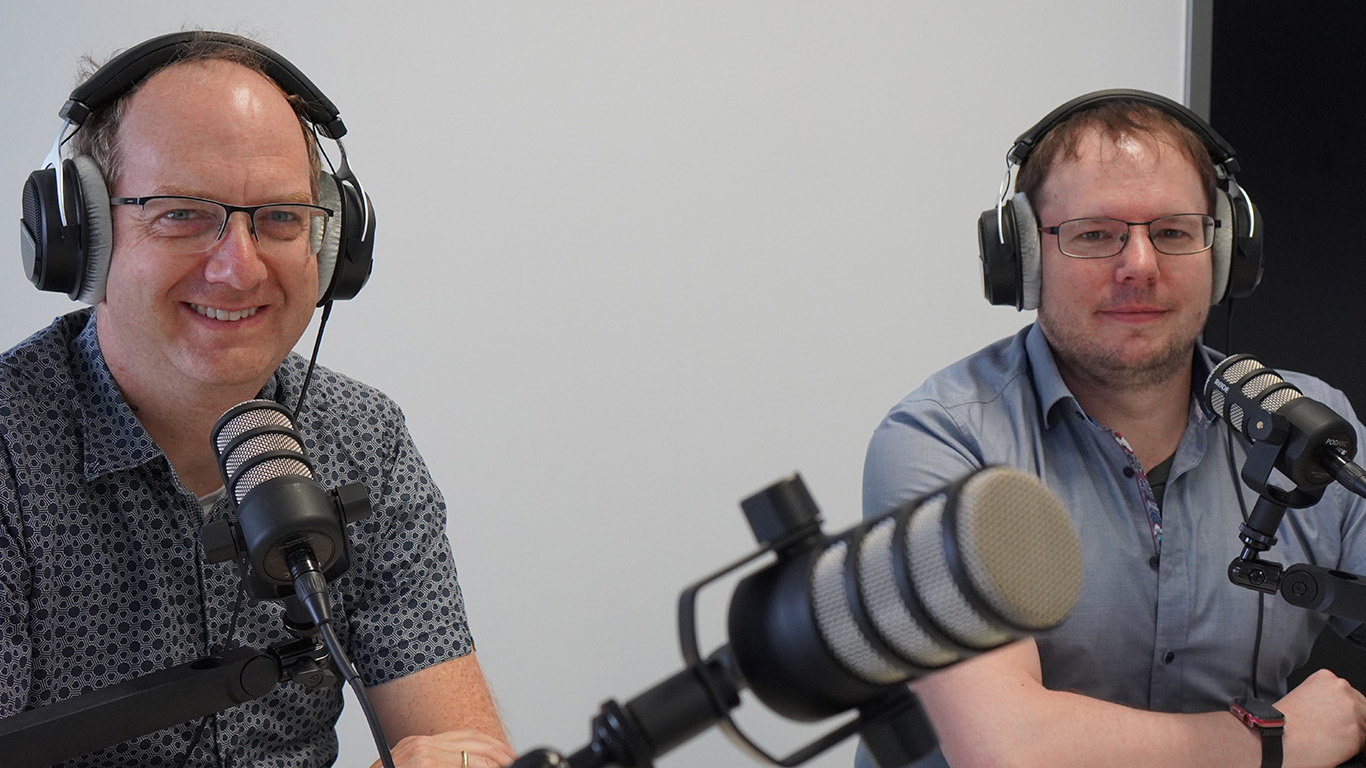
1008	235
66	232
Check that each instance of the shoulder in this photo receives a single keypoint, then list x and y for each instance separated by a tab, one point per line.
966	416
1318	389
349	426
41	362
995	377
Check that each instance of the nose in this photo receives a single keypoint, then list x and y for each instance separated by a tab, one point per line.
1137	260
235	258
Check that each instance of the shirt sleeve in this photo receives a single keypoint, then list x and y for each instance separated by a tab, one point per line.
405	608
919	448
15	646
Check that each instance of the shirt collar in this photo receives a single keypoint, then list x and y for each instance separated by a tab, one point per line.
1048	384
114	438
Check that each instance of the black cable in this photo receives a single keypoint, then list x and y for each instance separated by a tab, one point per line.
1242	505
228	644
352	678
312	360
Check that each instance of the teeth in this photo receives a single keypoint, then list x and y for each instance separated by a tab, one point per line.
222	314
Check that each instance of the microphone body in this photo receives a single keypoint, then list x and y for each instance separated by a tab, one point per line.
289	528
1316	443
987	560
839	623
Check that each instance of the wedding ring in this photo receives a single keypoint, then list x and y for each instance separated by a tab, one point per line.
464	759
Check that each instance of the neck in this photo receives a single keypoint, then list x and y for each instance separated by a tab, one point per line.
1151	416
180	424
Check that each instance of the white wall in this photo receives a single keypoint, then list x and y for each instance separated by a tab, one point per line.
636	261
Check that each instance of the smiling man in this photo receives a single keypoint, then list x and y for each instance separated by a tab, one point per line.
1123	236
206	173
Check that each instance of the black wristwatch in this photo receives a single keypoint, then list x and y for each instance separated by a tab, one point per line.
1266	721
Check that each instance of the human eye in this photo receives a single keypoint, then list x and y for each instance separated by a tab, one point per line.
1090	237
283	222
1179	233
174	217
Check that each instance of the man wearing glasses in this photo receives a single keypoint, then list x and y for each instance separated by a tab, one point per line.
107	472
1100	397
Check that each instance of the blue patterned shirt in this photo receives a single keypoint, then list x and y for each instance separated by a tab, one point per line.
103	577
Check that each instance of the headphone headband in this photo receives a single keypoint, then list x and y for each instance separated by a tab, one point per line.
1221	152
127	69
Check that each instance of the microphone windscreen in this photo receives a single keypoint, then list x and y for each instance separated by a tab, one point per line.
1255	382
964	570
255	442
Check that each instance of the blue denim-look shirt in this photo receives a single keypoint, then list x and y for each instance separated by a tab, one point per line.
103	578
1167	633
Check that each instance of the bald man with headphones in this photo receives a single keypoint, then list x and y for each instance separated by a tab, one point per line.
1125	226
108	476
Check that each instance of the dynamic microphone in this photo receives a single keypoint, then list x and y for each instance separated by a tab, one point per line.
1317	444
842	622
290	530
987	560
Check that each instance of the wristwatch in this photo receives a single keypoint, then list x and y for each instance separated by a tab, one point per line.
1265	720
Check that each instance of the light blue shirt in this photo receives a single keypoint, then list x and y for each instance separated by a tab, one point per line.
1168	633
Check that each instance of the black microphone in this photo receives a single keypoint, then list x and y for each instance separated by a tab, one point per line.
987	560
291	530
1317	444
838	623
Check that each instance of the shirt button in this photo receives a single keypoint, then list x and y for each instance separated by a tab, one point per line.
1154	561
1168	657
1128	471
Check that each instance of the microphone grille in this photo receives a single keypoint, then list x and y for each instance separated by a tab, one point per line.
255	429
1263	386
1019	548
835	613
906	596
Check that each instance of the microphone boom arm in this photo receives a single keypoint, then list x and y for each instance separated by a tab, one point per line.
112	715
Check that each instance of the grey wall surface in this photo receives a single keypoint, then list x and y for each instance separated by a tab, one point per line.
636	261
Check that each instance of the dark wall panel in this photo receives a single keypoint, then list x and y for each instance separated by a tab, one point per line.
1286	88
1285	84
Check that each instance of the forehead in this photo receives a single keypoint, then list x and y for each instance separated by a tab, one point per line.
1128	170
214	117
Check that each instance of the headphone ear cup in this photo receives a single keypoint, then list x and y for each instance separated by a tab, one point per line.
1245	264
1008	244
329	197
1221	253
71	259
97	230
1000	262
1027	237
345	259
47	248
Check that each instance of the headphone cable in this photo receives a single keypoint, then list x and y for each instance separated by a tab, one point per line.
1242	504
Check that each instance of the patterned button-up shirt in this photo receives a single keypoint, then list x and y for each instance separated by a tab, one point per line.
103	576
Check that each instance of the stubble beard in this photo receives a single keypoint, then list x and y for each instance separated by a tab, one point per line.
1083	357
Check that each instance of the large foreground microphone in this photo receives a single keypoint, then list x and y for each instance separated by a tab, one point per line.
843	622
1316	445
987	560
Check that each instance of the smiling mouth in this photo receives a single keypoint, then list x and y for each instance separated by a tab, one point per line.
230	316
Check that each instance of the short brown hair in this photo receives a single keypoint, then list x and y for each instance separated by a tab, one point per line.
1114	119
97	136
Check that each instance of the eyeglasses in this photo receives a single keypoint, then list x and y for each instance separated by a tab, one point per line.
191	225
1099	238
